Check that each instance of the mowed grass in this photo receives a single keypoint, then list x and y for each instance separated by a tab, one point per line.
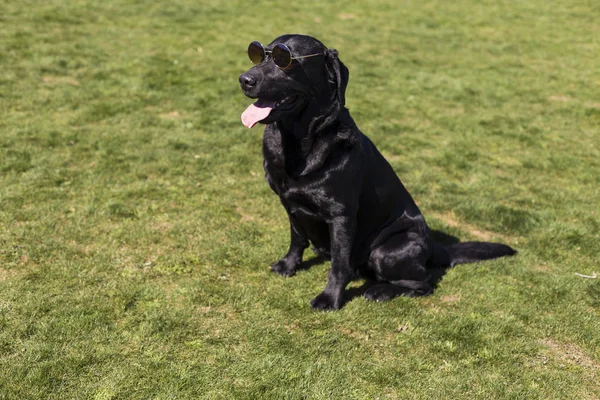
136	228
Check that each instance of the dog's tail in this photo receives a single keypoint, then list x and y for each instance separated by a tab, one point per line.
468	252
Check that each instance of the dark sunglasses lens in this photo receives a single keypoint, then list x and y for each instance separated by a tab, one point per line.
281	56
256	52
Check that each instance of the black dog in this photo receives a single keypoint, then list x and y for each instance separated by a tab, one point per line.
340	194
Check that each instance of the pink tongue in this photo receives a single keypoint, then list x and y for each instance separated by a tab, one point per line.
256	113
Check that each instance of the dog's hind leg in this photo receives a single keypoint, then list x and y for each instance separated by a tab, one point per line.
399	268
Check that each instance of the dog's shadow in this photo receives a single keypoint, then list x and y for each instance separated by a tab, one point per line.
436	274
308	264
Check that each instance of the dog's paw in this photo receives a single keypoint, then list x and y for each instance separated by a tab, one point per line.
381	292
284	268
326	301
387	291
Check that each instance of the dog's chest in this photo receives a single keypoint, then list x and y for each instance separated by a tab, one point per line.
302	192
297	194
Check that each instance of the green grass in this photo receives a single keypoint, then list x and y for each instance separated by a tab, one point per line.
136	227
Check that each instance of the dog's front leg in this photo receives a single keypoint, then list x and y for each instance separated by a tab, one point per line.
342	233
298	243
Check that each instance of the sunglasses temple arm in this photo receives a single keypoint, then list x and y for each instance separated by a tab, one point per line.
310	55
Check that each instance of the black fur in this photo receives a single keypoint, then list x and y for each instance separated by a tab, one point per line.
340	194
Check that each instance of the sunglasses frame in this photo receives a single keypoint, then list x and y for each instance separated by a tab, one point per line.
283	47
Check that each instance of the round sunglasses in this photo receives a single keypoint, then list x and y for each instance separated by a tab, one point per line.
281	54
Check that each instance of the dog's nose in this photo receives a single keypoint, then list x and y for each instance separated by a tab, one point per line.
247	80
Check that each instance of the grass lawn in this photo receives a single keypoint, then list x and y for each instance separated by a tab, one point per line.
136	228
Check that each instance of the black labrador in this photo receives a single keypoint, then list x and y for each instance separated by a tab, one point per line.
339	192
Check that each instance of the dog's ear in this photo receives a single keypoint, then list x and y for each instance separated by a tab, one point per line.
337	74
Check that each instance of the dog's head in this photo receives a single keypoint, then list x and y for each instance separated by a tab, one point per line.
320	79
